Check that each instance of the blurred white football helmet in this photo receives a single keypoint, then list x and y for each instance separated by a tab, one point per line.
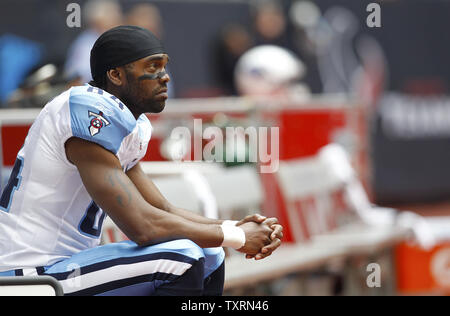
267	70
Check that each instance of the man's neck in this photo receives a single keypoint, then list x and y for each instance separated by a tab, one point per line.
115	92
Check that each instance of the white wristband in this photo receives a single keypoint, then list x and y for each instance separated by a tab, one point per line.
228	222
233	236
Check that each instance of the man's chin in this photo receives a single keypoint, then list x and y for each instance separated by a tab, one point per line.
157	107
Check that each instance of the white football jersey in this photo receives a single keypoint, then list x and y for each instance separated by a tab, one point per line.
46	214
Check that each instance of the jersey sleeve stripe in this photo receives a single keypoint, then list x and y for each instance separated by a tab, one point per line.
97	119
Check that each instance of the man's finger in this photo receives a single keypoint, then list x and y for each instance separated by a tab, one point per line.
267	250
260	256
277	232
271	221
257	218
272	246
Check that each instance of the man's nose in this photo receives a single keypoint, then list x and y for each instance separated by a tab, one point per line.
165	78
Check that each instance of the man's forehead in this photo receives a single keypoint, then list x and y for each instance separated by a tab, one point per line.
156	57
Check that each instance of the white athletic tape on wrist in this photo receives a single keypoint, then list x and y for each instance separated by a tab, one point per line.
233	236
229	222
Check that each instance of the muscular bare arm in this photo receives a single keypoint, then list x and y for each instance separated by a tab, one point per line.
142	222
116	194
153	196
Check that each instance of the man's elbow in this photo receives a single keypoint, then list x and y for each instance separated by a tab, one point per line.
146	240
141	240
141	236
148	235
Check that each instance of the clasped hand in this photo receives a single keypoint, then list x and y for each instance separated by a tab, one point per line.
263	236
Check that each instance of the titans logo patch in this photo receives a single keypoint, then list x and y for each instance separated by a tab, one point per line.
97	122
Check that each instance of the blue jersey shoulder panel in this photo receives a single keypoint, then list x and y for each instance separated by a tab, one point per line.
99	117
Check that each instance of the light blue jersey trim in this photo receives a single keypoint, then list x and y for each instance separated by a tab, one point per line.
99	117
125	249
8	273
214	257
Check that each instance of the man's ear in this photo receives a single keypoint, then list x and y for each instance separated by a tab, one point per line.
116	76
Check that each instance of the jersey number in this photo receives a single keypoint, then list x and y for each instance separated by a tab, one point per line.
12	186
91	224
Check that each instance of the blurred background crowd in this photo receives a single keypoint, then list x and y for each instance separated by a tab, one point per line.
206	38
296	50
309	48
